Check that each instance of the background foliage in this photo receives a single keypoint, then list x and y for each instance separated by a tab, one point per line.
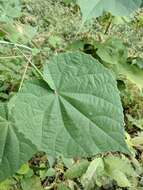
33	31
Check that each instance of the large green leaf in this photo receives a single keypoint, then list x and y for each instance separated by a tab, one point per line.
15	149
80	114
95	8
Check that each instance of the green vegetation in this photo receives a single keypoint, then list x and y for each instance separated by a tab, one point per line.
71	95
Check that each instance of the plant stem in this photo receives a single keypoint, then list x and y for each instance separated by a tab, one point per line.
29	60
16	45
108	25
23	76
11	57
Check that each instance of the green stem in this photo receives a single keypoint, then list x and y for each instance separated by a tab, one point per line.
16	45
23	76
108	25
29	60
12	57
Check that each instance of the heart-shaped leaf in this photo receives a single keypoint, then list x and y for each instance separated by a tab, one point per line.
80	115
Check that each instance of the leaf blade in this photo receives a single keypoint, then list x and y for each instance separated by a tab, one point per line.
86	100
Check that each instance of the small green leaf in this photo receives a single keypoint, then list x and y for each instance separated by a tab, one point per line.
68	162
32	183
115	163
112	51
24	169
55	41
95	168
6	185
138	140
120	178
76	45
62	186
77	170
35	51
119	169
139	62
132	72
50	172
135	122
